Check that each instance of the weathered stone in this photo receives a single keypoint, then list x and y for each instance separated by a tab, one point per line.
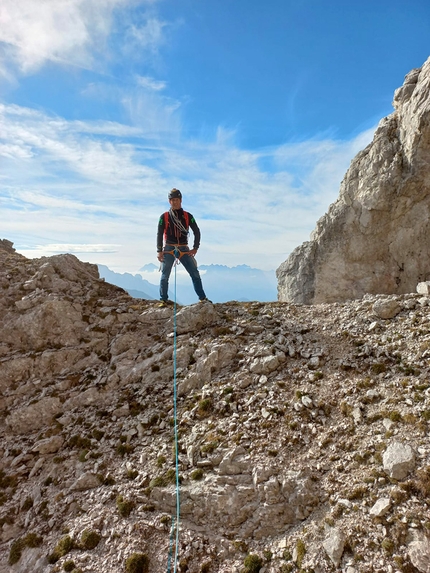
49	445
86	481
189	383
374	238
398	460
381	507
234	462
9	531
423	288
86	398
356	414
243	380
334	544
32	559
386	308
34	416
6	245
121	411
264	365
195	317
15	370
39	463
50	324
419	553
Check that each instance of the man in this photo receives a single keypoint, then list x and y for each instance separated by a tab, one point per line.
174	226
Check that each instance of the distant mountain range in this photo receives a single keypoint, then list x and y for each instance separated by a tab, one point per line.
221	283
135	285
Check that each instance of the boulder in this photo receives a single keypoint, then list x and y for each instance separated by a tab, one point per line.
423	288
381	507
195	317
386	309
398	460
419	553
48	445
334	545
86	481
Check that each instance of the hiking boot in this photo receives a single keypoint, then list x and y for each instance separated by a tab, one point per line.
165	303
205	300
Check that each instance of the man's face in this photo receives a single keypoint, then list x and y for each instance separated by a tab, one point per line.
176	203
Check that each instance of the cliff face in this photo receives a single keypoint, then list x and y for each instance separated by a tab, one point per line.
302	430
375	237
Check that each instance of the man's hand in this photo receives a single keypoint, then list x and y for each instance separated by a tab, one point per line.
160	256
193	252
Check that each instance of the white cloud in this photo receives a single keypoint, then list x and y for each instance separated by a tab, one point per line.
157	116
64	31
77	248
150	83
73	146
68	183
149	35
11	151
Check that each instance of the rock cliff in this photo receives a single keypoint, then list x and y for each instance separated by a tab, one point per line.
374	238
303	430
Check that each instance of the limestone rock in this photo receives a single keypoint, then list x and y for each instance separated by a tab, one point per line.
381	507
48	445
90	396
53	322
374	238
234	462
419	553
32	559
398	460
86	481
6	245
195	317
334	545
191	382
386	308
423	288
9	531
34	416
264	365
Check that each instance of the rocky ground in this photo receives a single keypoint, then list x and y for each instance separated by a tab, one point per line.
302	430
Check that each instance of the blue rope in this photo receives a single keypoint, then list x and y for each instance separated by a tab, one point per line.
175	419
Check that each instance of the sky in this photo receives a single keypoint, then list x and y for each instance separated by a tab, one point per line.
253	109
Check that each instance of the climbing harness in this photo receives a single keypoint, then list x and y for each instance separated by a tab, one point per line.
178	254
175	521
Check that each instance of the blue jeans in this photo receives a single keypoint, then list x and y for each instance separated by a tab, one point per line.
190	266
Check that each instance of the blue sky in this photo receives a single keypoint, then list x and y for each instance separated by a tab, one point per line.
253	109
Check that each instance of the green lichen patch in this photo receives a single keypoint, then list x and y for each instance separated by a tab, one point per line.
137	563
90	539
